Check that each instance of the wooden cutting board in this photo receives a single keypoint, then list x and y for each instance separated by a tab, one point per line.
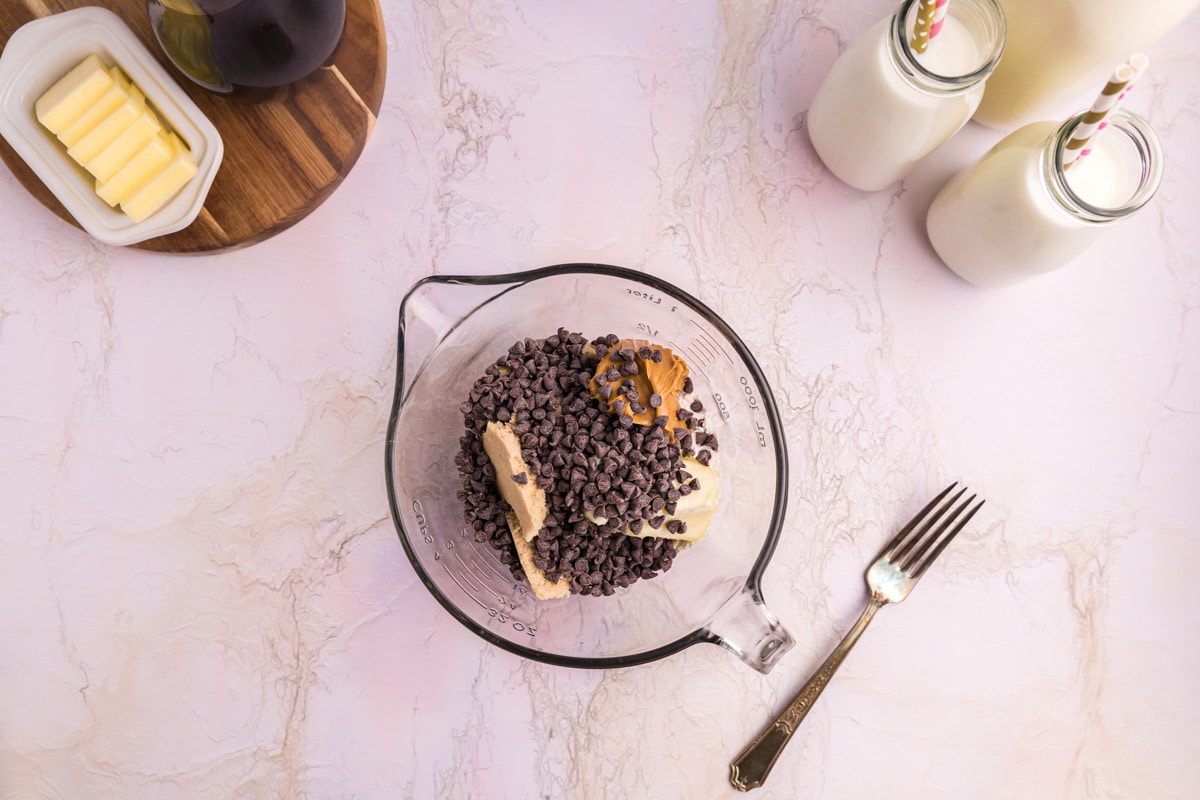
282	157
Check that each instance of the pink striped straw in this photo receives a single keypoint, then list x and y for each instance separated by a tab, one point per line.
1095	120
939	18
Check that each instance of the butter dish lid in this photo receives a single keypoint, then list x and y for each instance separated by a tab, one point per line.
41	52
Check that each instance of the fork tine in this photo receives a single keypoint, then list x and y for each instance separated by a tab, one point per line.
905	557
925	540
889	550
921	565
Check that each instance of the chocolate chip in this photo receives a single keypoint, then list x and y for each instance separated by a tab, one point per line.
520	478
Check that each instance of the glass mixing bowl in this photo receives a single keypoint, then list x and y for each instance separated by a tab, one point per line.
451	329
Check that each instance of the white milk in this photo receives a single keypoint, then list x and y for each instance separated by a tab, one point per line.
953	52
1060	52
1105	178
1016	213
877	114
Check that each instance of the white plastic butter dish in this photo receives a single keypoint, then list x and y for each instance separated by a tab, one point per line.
41	52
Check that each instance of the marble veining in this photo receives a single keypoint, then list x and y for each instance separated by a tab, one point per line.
201	591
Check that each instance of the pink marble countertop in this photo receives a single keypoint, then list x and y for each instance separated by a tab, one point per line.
202	594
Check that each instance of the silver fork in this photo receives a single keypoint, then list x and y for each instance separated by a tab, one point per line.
890	577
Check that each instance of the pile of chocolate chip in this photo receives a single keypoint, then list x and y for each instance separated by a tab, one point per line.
584	458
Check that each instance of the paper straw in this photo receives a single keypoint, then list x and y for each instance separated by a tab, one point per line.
1095	120
939	19
926	10
1138	64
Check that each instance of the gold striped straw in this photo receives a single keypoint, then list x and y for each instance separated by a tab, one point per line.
926	10
1095	120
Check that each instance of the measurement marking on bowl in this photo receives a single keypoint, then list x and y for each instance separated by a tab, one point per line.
422	522
475	565
483	581
466	591
478	583
649	297
467	574
703	350
492	569
503	614
491	560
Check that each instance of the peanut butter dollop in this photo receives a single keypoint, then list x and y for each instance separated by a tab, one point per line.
642	381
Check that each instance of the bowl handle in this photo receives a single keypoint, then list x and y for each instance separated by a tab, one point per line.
430	310
744	626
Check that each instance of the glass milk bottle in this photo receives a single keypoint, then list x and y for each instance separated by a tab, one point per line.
1058	50
1018	213
883	106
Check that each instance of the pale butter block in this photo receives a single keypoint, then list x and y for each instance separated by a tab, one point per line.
129	141
527	499
696	509
542	588
72	94
106	104
109	128
138	171
163	186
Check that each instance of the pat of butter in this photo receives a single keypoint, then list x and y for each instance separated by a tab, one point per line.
163	186
73	93
129	141
110	128
106	104
138	171
695	509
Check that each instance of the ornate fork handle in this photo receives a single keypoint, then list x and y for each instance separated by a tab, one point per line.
750	769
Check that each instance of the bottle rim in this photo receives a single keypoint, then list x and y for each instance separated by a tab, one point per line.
1145	144
986	17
